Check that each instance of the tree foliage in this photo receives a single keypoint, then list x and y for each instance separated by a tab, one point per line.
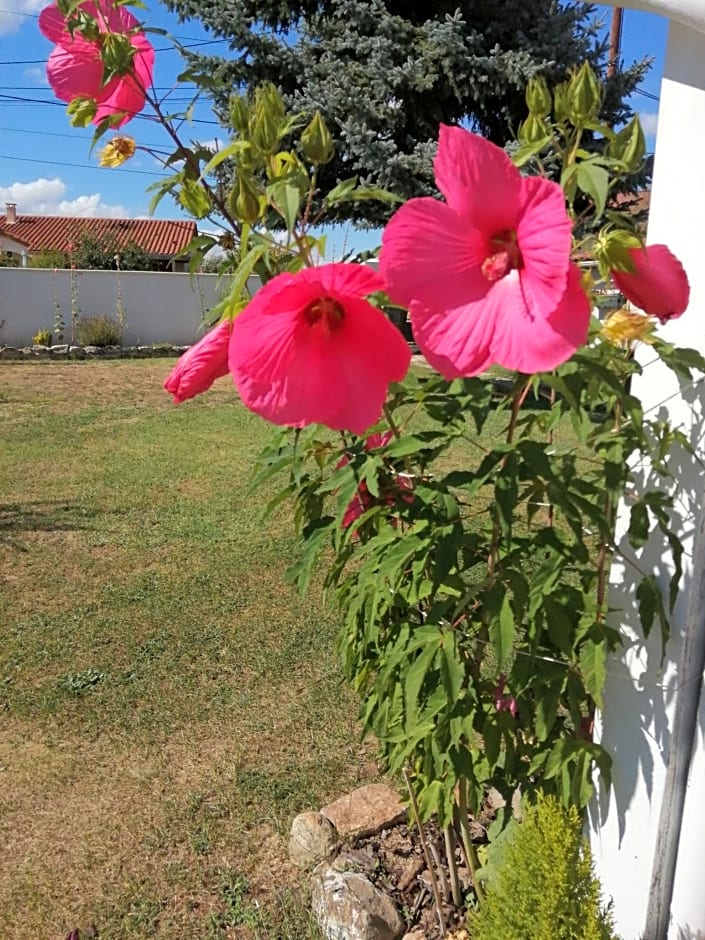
385	73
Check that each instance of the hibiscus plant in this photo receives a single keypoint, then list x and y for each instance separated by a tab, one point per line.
463	509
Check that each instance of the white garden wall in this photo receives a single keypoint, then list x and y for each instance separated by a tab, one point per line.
159	307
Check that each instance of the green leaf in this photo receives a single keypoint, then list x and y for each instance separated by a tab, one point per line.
287	200
236	147
594	180
341	192
638	524
650	599
593	664
501	631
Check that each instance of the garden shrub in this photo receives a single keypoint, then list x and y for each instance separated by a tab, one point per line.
99	330
541	884
42	338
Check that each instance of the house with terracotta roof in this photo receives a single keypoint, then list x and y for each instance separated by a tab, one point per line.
22	236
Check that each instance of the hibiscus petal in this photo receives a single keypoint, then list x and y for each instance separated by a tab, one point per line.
658	285
456	342
119	95
539	344
477	179
200	365
544	234
430	255
75	71
52	23
353	280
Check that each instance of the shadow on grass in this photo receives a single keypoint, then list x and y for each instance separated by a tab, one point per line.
42	516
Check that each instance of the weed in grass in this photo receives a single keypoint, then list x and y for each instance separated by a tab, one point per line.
78	683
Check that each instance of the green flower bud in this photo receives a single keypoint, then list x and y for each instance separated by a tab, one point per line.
243	201
538	97
316	141
533	130
629	146
82	111
560	102
584	96
239	113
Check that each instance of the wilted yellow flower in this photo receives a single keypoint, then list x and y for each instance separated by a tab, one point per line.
117	151
624	327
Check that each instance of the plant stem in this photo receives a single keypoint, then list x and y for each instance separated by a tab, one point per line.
449	837
441	871
470	856
392	423
427	855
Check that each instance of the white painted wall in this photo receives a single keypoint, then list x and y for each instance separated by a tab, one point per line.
637	720
159	307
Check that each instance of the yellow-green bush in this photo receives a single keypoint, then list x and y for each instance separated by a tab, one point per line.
542	884
42	338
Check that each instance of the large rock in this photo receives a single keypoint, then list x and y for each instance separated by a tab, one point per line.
365	811
347	906
312	839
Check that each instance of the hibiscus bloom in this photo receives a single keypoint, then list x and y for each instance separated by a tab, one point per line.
200	365
310	349
486	275
502	702
75	67
658	285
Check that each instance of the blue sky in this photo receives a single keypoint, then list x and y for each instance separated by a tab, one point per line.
45	166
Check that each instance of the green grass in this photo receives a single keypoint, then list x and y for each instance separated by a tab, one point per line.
168	702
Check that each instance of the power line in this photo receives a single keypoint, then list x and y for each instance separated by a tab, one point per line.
74	136
80	166
186	45
24	100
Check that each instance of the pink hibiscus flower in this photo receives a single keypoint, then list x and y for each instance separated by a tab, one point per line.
75	68
309	349
486	275
201	365
658	285
504	703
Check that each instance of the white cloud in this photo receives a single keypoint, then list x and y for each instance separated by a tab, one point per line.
36	74
14	13
48	197
649	122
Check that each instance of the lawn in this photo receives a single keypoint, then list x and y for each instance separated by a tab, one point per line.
167	701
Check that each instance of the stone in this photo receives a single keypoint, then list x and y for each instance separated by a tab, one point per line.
416	934
59	350
10	352
312	839
365	811
77	352
347	906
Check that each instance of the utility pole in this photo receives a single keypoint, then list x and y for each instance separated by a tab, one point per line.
615	40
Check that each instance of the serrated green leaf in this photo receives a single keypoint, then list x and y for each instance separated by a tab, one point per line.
593	665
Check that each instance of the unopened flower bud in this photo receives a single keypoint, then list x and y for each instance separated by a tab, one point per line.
628	146
244	199
538	97
239	113
584	95
533	130
316	141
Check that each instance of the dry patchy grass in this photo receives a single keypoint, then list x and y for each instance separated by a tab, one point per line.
167	702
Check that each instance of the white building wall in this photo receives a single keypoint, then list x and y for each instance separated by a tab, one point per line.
159	307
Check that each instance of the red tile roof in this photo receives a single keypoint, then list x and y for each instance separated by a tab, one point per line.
160	238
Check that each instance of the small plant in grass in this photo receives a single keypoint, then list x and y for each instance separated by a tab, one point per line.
78	683
540	882
42	338
99	330
474	609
